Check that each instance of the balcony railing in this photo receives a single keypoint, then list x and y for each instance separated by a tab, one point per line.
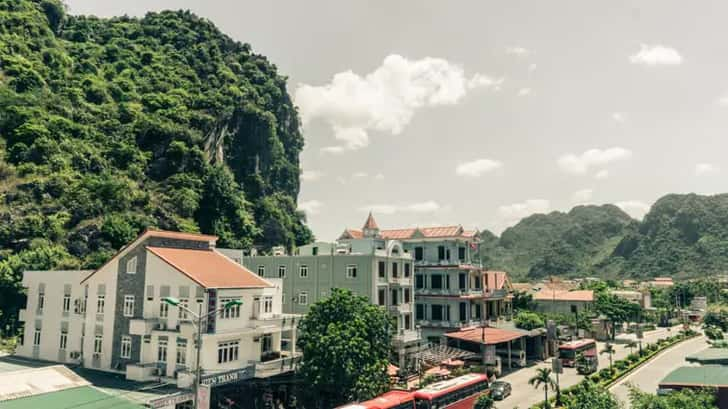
276	366
402	308
143	326
406	336
283	321
447	263
401	280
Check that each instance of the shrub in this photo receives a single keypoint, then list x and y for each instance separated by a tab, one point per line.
528	320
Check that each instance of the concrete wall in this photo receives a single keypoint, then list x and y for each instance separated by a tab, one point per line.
561	307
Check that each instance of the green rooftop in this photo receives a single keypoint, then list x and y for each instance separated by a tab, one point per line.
702	376
84	396
710	356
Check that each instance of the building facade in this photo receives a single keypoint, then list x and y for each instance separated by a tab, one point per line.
116	318
452	289
373	267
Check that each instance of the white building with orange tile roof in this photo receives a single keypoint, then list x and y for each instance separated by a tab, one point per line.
115	318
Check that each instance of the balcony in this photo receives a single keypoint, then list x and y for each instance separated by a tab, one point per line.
276	366
142	326
401	281
405	336
403	308
448	263
277	322
143	372
495	294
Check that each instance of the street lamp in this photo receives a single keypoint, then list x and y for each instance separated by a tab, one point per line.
198	323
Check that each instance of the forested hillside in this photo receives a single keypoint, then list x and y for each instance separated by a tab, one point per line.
556	243
108	126
681	236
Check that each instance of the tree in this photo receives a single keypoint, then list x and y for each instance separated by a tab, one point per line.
528	320
683	399
616	309
345	342
484	402
609	350
632	344
587	395
543	378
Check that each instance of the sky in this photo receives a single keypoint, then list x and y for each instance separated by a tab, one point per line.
480	113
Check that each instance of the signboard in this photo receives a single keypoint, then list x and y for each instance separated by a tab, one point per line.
490	355
203	397
556	366
224	378
170	400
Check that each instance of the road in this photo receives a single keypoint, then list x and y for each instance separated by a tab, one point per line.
524	395
646	377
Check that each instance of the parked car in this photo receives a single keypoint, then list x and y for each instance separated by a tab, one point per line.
500	390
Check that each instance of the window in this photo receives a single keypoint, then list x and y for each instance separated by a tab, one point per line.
281	271
382	269
477	283
407	269
395	267
261	271
100	302
303	298
63	340
314	251
437	313
267	343
128	305
477	311
227	351
162	350
181	352
41	301
462	281
419	253
66	302
98	344
436	281
268	304
395	298
182	308
163	309
461	253
407	295
408	321
441	253
303	271
283	301
232	312
382	296
351	271
419	281
131	265
419	311
126	347
463	311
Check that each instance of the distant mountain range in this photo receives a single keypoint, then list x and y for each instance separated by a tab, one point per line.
683	235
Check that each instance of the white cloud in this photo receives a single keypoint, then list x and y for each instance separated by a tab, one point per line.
512	213
421	207
311	175
477	167
580	164
656	55
517	51
523	92
634	208
702	169
601	175
379	176
582	196
619	116
386	99
310	206
359	175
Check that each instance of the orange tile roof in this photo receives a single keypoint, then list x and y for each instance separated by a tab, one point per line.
547	294
179	235
354	234
445	231
209	268
370	223
496	279
492	335
408	233
396	234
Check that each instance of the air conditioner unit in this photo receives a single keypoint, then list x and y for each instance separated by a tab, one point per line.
74	354
162	326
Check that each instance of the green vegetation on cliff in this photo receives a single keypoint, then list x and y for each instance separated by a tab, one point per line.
108	126
681	236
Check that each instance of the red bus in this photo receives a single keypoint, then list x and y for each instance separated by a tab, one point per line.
389	400
569	351
457	393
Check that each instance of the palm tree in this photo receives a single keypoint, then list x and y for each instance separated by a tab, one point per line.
609	349
631	345
543	377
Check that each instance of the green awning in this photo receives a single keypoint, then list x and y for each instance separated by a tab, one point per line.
86	397
709	356
699	376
